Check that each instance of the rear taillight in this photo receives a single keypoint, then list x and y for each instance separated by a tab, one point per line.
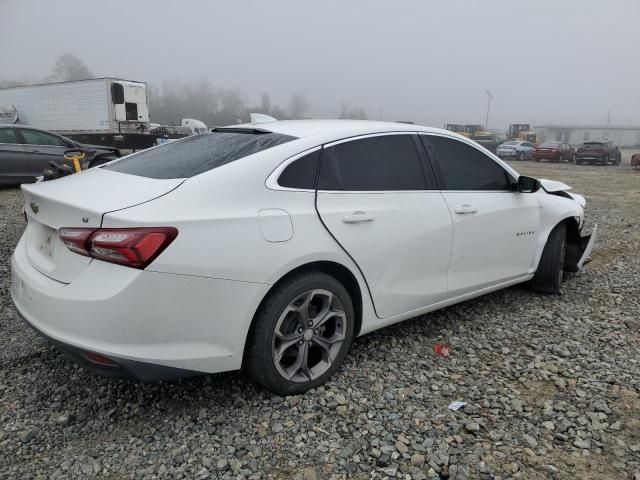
132	247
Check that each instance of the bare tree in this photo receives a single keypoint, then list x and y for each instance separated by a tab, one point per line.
69	67
298	105
265	103
353	113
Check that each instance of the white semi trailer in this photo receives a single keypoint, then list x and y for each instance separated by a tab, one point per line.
104	111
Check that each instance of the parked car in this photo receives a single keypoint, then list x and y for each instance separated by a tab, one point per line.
604	152
555	151
25	152
635	160
270	247
516	149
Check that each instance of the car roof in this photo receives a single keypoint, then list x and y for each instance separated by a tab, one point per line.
24	127
339	128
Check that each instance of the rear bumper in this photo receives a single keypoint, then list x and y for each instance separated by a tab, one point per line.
139	319
119	367
590	158
543	155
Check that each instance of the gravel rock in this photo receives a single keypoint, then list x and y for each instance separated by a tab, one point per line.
472	427
551	385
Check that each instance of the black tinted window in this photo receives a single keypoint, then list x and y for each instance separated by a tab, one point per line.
197	154
301	173
388	162
461	167
8	135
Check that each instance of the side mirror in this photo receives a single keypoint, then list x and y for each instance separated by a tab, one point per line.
528	184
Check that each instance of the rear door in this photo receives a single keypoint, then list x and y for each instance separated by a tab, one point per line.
14	161
494	227
43	147
379	201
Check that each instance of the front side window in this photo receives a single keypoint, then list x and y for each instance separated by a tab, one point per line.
385	162
35	137
8	135
196	154
460	166
301	173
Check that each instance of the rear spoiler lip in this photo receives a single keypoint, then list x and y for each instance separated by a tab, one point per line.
254	130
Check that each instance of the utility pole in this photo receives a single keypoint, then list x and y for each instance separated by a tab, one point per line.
486	120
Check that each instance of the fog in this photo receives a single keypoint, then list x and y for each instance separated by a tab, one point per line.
545	61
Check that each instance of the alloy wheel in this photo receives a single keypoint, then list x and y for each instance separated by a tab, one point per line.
309	335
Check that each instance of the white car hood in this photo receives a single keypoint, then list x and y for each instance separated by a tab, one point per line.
551	186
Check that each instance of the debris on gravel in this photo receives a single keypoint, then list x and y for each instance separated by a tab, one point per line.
551	385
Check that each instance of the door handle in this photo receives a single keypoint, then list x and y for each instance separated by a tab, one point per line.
357	217
464	209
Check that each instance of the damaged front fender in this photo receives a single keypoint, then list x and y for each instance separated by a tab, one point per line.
578	253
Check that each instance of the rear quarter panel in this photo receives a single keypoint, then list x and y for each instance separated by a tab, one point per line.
220	236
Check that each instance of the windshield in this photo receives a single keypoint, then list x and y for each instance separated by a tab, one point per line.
197	154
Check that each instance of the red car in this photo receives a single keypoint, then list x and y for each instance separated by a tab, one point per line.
554	151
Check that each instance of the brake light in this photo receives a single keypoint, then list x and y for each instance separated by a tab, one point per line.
132	247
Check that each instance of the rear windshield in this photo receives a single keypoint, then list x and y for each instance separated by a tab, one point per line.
550	144
597	144
197	154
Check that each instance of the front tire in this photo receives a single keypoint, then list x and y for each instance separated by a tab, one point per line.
301	334
548	276
521	156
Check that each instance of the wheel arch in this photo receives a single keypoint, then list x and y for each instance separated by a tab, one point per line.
572	239
338	271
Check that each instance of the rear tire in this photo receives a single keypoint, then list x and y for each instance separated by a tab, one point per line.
290	349
548	276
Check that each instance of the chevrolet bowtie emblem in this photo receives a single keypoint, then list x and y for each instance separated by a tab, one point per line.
35	208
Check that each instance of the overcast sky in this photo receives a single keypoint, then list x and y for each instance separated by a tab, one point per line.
546	61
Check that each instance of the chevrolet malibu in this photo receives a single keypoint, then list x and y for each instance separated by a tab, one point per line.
269	247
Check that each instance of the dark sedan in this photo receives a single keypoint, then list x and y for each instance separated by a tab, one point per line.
25	153
554	151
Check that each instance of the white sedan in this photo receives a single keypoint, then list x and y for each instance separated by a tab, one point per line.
516	149
269	247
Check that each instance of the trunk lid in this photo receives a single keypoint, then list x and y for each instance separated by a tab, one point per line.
79	200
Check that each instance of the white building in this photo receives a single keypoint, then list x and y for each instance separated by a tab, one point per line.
576	134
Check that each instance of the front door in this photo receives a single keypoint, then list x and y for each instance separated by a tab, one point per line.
378	200
494	227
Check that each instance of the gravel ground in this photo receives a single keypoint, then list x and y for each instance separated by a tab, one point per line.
552	385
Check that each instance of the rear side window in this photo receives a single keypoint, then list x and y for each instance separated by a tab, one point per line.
36	137
461	167
389	162
301	173
8	135
197	154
